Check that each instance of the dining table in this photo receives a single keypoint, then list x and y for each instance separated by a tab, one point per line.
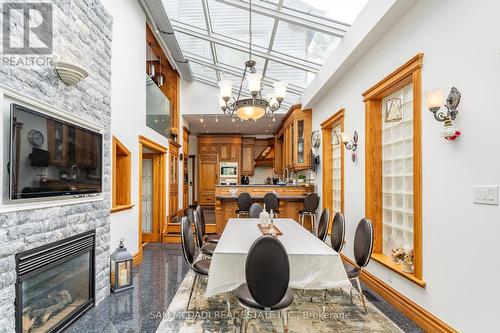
313	264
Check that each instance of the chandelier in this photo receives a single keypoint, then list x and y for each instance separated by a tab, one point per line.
254	107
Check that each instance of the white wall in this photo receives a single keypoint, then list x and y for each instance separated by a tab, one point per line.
460	239
199	98
128	103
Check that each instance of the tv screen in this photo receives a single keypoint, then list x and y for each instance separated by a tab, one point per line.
51	157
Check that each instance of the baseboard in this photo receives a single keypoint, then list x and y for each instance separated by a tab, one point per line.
137	258
423	318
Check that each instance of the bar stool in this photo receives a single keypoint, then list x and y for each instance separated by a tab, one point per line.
244	203
271	203
311	203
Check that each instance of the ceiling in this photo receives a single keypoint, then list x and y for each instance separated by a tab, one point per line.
213	124
291	38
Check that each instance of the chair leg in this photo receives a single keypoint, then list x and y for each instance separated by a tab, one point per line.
361	293
284	318
191	293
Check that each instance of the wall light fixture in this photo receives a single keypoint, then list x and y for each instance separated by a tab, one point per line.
435	100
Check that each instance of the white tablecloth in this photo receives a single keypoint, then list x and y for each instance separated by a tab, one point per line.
313	264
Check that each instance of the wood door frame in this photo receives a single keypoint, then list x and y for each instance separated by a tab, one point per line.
161	151
193	177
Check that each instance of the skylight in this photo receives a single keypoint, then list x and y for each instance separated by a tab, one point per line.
291	38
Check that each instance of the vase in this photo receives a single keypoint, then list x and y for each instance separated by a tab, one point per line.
407	268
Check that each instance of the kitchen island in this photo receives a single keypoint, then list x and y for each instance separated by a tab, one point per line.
291	200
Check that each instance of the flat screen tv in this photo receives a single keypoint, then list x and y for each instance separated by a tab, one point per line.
50	157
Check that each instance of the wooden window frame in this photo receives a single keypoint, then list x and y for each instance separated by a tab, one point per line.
121	177
408	73
327	164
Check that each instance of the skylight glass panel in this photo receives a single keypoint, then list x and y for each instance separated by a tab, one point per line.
302	43
235	58
292	75
193	45
186	11
203	71
233	22
345	11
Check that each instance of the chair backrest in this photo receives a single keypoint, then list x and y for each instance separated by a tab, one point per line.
311	202
324	220
244	201
363	242
255	210
198	229
271	201
202	218
267	271
338	232
187	241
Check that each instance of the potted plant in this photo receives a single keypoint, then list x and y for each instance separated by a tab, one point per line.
398	255
408	262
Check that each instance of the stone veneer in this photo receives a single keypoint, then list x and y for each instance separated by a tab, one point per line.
82	32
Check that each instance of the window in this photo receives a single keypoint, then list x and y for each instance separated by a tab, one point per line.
393	166
333	164
121	177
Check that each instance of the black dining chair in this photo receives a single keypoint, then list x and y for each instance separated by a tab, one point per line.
255	210
311	203
200	267
363	248
267	274
207	249
271	203
338	232
324	221
244	203
207	238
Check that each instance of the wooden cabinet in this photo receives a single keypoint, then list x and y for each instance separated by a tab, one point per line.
278	153
207	178
247	156
295	139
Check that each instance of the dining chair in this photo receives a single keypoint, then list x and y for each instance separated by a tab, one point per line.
207	249
267	275
363	248
338	232
255	210
311	203
271	202
244	203
324	221
207	238
200	267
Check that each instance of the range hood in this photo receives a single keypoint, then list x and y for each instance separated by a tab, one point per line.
266	157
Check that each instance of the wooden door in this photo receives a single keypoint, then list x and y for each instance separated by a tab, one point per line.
151	197
208	177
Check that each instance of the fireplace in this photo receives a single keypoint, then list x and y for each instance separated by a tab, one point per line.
55	284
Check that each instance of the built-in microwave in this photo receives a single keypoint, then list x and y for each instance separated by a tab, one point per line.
228	169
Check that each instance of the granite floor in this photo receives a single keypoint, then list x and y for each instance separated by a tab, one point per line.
156	282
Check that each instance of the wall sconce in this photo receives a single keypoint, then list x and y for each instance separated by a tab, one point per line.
350	144
435	99
70	73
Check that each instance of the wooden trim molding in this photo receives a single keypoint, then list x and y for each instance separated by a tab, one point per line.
121	176
327	163
119	208
423	318
150	144
408	73
137	257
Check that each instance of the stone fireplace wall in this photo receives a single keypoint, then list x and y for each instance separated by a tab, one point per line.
82	33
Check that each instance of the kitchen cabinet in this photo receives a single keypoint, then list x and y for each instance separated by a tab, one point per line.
247	156
208	178
294	139
278	153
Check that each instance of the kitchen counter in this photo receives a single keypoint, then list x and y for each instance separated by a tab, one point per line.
290	198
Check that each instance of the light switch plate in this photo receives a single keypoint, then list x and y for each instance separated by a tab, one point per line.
486	194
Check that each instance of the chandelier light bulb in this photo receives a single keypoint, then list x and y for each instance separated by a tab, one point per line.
280	90
253	81
226	89
435	99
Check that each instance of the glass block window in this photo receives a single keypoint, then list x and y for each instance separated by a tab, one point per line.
337	174
397	172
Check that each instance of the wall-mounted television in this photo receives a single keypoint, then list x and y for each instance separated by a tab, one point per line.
50	157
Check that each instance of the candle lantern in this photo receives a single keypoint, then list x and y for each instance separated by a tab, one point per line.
121	269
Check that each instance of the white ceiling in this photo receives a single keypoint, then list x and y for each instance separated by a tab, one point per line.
220	124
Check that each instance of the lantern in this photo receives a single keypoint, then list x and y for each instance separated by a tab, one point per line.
121	269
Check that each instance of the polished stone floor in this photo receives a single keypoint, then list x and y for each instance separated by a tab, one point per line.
156	283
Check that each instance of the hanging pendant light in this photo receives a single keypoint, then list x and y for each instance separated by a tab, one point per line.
160	75
254	107
151	66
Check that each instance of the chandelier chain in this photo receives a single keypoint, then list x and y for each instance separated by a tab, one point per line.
250	30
